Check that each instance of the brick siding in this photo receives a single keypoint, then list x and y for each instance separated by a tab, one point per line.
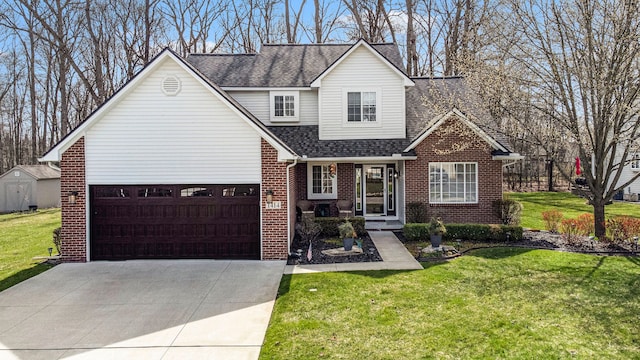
489	178
74	221
274	221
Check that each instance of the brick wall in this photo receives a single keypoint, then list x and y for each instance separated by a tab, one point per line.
489	176
274	221
74	223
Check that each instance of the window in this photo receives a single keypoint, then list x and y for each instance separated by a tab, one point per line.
284	106
635	162
453	183
322	181
361	106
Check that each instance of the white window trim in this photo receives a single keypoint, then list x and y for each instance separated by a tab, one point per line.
334	186
296	106
635	162
345	108
453	162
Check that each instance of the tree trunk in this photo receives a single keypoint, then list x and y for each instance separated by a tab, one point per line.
599	219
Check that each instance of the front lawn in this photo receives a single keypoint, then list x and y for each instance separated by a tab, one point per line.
570	205
500	303
23	236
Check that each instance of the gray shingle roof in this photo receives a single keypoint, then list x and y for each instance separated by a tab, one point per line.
304	140
38	172
281	65
430	98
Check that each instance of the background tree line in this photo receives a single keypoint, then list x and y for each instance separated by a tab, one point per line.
560	77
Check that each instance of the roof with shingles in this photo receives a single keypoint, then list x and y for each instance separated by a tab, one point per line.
279	65
38	172
304	140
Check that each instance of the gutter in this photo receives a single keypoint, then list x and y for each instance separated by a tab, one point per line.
289	167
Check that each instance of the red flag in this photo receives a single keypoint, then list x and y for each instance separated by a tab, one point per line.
578	171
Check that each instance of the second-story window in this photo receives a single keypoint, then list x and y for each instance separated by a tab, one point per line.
284	106
361	106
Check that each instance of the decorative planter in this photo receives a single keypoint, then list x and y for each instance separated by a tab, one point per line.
436	240
348	244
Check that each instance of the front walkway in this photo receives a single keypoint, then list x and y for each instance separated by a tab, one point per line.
394	257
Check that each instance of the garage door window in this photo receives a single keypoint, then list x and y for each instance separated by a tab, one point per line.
154	192
112	192
196	191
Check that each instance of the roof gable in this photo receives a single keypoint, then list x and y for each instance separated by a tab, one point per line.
55	153
38	172
439	120
362	43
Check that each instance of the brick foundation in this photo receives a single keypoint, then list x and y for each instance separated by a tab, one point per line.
274	221
74	221
489	177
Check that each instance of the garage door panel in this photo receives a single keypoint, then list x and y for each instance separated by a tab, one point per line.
175	221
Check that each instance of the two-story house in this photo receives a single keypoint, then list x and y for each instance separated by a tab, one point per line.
207	157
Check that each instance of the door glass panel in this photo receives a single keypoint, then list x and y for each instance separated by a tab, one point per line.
358	189
374	188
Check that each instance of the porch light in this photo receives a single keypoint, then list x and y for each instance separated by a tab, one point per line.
269	196
73	195
396	174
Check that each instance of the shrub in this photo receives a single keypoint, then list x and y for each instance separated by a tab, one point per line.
623	228
552	220
56	239
585	224
570	231
509	211
309	230
417	212
472	232
416	231
329	225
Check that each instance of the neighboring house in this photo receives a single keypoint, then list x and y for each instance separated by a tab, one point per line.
207	157
630	170
29	187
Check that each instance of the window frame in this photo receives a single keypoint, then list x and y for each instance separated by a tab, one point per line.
634	162
334	182
284	94
361	122
464	184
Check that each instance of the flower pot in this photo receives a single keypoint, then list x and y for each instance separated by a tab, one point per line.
348	244
436	240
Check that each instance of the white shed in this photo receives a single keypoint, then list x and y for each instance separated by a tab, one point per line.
29	187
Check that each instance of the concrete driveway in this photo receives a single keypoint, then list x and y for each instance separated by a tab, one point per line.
182	309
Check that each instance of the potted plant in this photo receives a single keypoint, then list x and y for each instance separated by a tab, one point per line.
436	230
347	233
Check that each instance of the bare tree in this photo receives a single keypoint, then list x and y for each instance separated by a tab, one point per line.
581	61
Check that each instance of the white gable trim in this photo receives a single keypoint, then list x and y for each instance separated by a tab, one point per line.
55	153
318	81
439	120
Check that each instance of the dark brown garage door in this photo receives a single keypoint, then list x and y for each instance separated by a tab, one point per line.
175	222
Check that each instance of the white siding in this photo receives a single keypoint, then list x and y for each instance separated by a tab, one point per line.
257	102
360	71
627	174
151	138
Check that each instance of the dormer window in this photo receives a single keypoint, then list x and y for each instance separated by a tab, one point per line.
284	106
362	107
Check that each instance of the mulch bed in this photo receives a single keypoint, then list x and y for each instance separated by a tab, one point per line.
543	240
370	253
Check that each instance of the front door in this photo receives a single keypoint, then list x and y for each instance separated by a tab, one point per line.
375	190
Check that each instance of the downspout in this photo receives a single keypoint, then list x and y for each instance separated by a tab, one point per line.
295	162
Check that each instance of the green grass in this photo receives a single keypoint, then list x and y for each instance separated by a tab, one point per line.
23	236
570	205
499	303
